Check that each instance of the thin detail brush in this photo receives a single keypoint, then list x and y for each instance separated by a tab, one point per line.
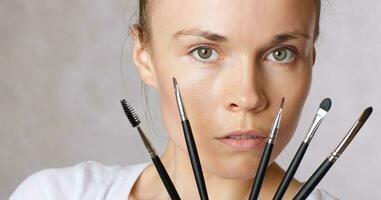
261	171
324	107
191	145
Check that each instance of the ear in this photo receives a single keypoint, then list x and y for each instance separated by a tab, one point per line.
314	56
142	58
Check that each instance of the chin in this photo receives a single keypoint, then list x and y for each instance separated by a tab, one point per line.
236	168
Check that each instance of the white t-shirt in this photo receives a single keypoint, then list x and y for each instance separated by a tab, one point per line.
92	181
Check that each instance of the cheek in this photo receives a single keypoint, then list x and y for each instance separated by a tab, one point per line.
169	111
295	88
192	83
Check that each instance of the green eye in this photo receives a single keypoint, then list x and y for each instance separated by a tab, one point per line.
281	55
205	54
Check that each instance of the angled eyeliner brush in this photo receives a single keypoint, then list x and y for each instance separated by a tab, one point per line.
318	175
135	121
191	145
324	107
261	171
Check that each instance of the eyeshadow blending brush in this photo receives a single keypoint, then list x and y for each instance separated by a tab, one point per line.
318	175
324	107
191	145
135	121
261	171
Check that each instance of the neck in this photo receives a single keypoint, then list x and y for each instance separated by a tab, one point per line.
179	167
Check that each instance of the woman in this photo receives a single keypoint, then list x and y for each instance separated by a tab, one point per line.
234	61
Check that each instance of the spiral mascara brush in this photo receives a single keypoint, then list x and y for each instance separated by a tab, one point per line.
135	121
191	145
261	171
318	175
324	107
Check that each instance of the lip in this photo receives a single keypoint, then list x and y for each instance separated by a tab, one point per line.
243	140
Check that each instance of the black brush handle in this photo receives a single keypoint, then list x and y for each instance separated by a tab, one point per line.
291	171
165	178
195	160
261	171
314	180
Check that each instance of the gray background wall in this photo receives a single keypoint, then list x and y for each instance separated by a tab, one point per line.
60	85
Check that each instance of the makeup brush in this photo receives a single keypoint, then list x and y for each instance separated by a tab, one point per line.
261	171
191	145
318	175
135	121
324	107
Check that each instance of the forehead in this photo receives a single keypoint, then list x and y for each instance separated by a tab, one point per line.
236	19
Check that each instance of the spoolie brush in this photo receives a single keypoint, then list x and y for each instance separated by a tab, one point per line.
130	113
135	121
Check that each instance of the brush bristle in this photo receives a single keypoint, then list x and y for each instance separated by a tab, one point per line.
282	102
326	104
130	113
365	114
174	82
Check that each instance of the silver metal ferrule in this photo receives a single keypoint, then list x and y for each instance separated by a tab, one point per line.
147	143
275	127
345	142
179	101
318	119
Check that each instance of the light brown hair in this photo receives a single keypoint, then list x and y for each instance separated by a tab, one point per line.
143	24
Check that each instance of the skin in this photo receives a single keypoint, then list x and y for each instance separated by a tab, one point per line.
237	87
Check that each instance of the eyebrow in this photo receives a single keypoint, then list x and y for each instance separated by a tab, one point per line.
277	39
283	37
200	33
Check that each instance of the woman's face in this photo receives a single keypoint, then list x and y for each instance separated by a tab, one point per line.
233	61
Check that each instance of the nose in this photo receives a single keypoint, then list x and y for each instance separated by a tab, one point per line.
248	90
